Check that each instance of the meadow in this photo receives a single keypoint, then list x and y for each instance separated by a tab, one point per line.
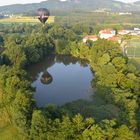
133	47
24	19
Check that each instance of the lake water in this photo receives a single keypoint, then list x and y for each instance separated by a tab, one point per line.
69	79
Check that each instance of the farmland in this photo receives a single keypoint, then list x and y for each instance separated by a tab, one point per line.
24	19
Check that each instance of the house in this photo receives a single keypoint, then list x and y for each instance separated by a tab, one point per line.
90	37
115	39
137	29
107	33
135	32
123	32
127	13
111	35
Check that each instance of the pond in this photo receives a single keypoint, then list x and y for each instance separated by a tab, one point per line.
61	79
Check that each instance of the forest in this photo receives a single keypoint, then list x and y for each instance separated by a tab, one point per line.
117	81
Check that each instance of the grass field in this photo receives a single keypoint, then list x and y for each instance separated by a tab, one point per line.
133	52
21	19
133	47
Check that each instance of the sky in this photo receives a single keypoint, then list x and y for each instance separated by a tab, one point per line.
8	2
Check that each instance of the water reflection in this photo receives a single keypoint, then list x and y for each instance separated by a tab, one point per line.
49	61
61	79
46	78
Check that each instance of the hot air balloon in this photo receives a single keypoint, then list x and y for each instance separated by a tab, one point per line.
46	78
43	14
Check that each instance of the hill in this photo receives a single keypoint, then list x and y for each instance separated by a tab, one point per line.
71	5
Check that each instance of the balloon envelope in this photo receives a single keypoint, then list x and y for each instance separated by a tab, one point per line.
46	78
43	14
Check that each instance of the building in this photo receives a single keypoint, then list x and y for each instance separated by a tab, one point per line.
137	29
123	32
135	32
126	13
90	37
115	39
107	33
111	35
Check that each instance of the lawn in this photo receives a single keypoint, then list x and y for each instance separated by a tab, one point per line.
23	19
133	47
133	52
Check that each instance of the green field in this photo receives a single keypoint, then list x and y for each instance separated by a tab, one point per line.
133	47
133	52
21	19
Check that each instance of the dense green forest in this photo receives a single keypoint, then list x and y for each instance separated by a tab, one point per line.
116	80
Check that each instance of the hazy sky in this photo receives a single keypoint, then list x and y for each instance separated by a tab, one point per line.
6	2
127	0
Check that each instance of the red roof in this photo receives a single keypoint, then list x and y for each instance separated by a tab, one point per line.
90	37
123	31
115	38
106	31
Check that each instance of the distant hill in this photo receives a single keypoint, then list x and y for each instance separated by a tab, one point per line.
69	5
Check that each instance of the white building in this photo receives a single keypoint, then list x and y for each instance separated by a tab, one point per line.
136	29
135	32
123	32
127	13
107	33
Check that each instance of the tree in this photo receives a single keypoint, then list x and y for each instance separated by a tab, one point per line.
1	40
38	126
105	59
22	108
124	133
119	63
15	54
93	133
